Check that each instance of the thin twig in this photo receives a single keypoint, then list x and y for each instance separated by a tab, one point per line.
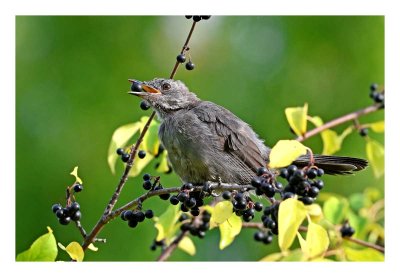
105	217
339	120
170	248
366	244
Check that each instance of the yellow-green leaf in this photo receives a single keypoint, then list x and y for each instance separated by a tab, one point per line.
317	240
229	229
376	156
285	152
140	164
316	120
43	249
335	209
75	174
163	166
295	255
366	254
290	216
331	141
119	139
378	127
297	118
75	251
187	245
150	141
222	211
92	247
272	257
165	223
315	212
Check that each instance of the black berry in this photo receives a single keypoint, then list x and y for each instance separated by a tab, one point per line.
278	186
141	154
120	151
165	196
144	105
307	200
346	230
146	177
256	182
205	17
195	211
74	207
174	200
125	157
262	171
312	173
56	207
60	213
258	206
188	16
184	208
147	185
227	195
284	173
136	86
320	172
268	239
190	203
259	236
181	58
187	186
149	214
319	184
138	216
127	215
196	18
182	197
78	187
189	65
185	227
132	223
363	132
373	87
183	217
64	220
76	216
313	192
291	169
287	195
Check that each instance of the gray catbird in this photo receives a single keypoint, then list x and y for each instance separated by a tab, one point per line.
206	142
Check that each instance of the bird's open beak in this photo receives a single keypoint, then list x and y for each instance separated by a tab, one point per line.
145	89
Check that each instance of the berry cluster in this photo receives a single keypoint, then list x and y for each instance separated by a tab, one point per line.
125	156
134	217
378	97
346	230
197	18
149	185
242	204
270	217
196	227
190	200
65	215
264	237
181	58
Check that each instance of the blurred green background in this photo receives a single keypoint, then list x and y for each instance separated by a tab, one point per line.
71	81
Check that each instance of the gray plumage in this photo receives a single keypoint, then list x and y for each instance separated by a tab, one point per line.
206	142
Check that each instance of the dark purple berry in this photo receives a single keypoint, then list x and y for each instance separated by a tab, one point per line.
284	173
136	86
174	200
147	184
195	211
64	220
165	196
146	177
320	172
287	195
313	192
307	200
227	195
74	207
183	217
56	207
373	87
148	214
319	184
258	206
196	18
205	17
60	213
181	58
363	132
139	216
190	203
120	151
259	236
262	171
78	187
125	157
76	216
189	65
268	239
312	173
291	169
141	154
132	223
144	105
256	182
188	16
184	208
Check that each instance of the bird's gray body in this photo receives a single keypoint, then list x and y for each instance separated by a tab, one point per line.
206	142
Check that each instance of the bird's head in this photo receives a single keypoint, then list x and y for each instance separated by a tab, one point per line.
165	95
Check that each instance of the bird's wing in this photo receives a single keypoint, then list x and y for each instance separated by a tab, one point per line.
236	137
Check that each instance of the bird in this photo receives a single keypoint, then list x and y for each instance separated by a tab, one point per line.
208	143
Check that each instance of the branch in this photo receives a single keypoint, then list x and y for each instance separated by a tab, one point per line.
105	217
366	244
340	120
168	251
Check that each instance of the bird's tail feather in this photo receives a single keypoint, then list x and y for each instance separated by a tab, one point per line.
333	164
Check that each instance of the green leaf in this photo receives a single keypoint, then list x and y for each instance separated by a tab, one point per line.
75	174
377	127
75	251
290	216
295	255
229	229
357	201
297	118
316	120
335	209
165	223
187	245
119	139
317	240
285	152
367	254
222	211
42	249
376	156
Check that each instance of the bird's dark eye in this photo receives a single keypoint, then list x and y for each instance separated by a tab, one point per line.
166	86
